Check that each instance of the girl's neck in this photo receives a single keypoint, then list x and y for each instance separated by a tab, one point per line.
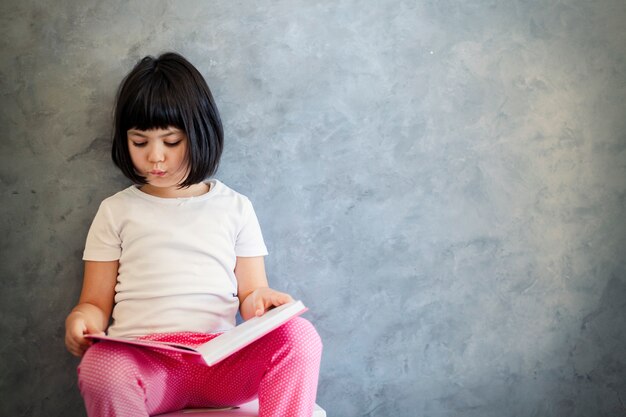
175	192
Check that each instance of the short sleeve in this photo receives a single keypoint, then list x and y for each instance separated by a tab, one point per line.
103	240
250	239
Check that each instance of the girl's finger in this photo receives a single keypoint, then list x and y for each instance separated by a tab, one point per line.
74	349
259	307
277	300
283	298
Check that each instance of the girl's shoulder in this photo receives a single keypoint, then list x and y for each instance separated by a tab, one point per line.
220	188
125	194
229	196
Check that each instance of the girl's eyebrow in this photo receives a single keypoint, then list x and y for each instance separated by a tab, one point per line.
170	133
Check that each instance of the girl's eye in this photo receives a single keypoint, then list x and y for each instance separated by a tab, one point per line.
139	144
172	144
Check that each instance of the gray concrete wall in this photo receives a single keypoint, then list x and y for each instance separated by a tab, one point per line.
442	182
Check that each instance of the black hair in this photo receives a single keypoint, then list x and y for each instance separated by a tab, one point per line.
162	92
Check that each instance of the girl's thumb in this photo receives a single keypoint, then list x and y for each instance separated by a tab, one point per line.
259	310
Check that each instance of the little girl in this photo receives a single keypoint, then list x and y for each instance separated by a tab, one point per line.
172	259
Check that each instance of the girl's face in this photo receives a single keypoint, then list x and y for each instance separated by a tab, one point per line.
160	155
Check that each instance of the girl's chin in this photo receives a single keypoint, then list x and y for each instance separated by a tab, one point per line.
161	183
164	179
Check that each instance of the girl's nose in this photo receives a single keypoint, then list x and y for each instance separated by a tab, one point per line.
156	154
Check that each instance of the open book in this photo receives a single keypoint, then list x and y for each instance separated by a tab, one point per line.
228	342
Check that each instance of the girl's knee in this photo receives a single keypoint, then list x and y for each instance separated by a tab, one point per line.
105	365
300	335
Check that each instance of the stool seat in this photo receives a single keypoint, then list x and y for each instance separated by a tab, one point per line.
250	409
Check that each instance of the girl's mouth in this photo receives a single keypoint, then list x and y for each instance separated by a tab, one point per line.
157	173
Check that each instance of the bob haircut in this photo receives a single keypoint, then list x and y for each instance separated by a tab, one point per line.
163	92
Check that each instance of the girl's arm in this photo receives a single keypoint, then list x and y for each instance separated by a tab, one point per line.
91	315
254	294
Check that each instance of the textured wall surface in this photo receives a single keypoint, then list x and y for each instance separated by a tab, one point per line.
442	182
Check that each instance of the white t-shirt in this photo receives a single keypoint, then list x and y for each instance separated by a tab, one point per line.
177	258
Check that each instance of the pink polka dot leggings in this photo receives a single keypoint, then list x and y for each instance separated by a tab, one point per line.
281	368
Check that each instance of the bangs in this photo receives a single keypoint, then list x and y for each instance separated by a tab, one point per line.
154	105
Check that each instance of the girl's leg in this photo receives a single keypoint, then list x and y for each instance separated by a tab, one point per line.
282	368
289	386
118	380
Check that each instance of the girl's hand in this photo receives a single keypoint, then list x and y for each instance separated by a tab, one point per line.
264	298
76	327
